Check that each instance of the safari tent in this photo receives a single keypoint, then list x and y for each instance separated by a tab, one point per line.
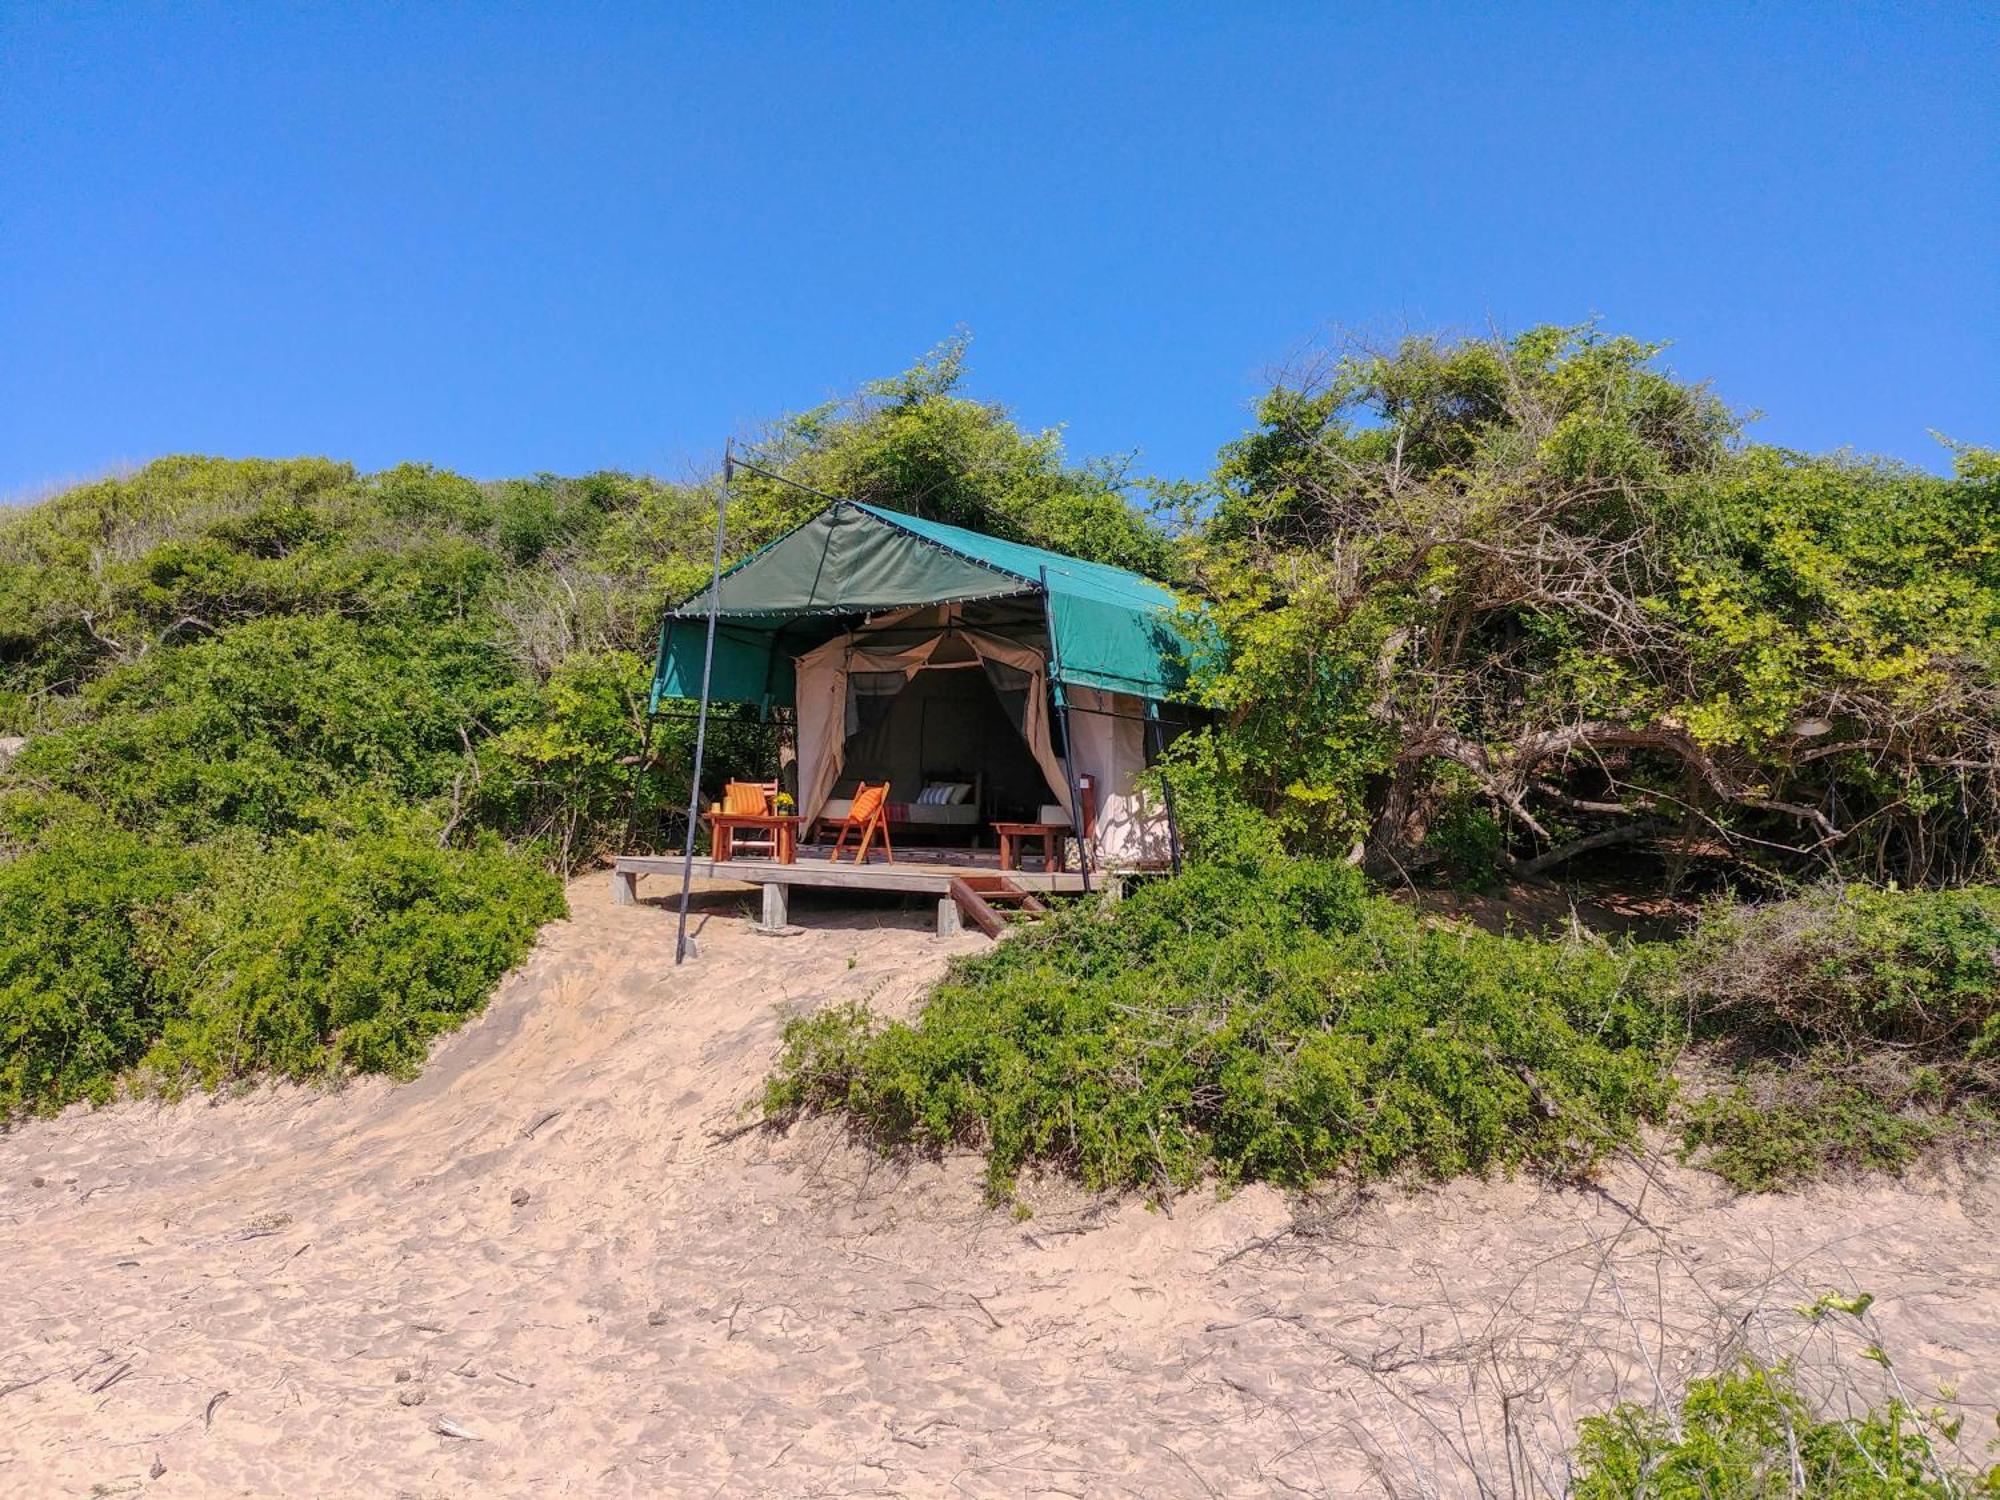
1029	684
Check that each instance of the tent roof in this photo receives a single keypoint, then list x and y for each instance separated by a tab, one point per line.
1113	629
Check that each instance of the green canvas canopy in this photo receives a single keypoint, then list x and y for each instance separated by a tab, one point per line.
1111	629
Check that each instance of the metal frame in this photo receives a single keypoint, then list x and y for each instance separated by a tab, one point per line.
701	718
1069	744
1159	743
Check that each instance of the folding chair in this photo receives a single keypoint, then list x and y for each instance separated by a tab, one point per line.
868	816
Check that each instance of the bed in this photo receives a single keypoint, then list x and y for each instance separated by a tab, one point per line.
945	799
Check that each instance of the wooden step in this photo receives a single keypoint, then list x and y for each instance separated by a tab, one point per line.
998	888
975	910
975	902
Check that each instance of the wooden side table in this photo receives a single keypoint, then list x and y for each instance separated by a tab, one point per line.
783	828
1054	837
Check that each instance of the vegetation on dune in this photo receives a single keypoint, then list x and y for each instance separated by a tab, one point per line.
1749	1432
1532	599
1857	1027
307	749
1259	1017
1264	1017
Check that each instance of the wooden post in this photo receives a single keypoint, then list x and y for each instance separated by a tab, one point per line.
777	915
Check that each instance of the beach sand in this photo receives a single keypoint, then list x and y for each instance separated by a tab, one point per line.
558	1263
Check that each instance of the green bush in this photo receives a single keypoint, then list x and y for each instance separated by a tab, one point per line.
77	1002
1858	1028
1747	1434
344	950
1255	1019
256	728
1856	965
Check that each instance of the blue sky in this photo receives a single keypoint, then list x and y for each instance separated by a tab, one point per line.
520	238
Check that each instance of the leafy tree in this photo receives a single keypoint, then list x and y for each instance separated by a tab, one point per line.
1548	565
917	443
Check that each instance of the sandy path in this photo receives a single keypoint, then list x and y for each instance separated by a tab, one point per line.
252	1295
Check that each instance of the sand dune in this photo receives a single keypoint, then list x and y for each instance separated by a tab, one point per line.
555	1265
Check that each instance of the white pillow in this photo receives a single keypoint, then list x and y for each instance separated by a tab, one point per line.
960	791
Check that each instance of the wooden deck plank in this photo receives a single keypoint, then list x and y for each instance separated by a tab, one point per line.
910	876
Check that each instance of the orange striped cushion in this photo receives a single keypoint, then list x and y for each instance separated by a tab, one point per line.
743	797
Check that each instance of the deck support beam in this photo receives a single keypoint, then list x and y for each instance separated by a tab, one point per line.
777	907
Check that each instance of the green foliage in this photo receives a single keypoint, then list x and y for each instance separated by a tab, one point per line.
1855	965
1780	1125
343	950
278	712
1464	836
917	443
1257	1017
1861	1027
1545	567
77	1002
260	727
292	698
562	772
1748	1433
346	949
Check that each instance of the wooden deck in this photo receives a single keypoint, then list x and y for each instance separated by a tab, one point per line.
927	872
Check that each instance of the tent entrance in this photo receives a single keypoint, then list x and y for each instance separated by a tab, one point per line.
944	722
912	698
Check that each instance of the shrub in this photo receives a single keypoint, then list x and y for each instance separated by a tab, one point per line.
1747	1433
346	950
1256	1019
343	950
1853	965
1860	1027
258	727
77	1003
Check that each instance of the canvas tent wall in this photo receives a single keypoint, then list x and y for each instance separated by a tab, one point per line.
861	591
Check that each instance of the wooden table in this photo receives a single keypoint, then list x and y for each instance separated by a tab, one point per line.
1054	837
783	828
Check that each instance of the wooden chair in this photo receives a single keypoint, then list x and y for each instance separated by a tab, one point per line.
868	816
752	799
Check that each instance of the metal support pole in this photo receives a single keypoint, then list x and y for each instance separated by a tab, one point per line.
701	719
1154	733
1069	744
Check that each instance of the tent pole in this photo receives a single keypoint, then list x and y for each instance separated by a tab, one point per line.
1069	744
1154	734
701	719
